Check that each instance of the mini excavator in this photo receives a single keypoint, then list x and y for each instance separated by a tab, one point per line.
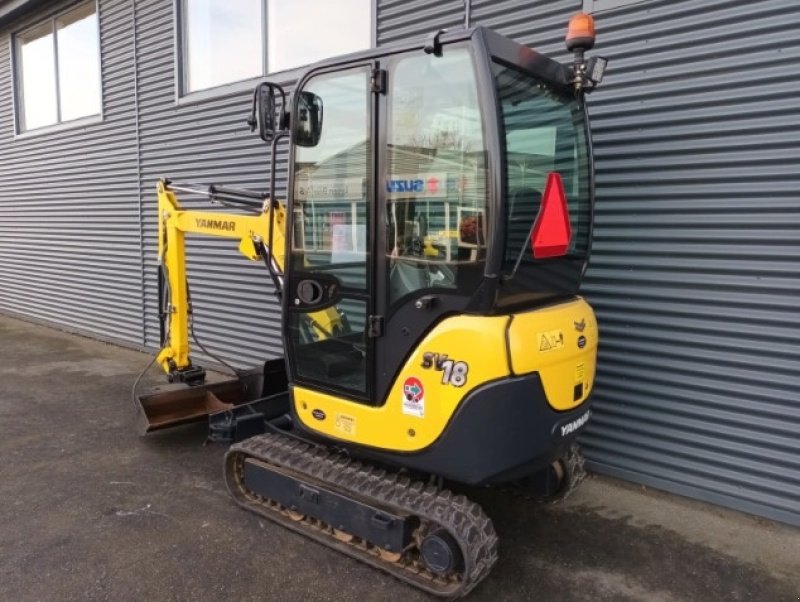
427	258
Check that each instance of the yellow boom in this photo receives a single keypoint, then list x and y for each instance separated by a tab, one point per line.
253	233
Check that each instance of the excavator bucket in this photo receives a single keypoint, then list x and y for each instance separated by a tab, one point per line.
173	405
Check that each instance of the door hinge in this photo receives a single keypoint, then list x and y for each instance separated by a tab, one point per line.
374	326
378	81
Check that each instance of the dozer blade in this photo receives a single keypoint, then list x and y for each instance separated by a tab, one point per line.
173	406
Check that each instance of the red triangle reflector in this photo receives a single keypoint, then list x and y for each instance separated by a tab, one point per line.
552	231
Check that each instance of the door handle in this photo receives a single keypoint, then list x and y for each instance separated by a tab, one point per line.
309	292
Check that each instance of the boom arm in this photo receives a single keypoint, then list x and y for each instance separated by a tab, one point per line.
260	236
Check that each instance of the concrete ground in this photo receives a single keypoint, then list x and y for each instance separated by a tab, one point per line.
90	511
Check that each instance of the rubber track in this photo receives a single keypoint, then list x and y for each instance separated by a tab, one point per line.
576	473
465	520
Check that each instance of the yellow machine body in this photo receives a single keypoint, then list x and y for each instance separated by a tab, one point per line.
558	342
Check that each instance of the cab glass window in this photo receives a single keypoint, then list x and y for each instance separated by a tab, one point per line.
435	183
331	205
544	132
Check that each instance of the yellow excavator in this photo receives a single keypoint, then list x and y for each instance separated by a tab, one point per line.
427	258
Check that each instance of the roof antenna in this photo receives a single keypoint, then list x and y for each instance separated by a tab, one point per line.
467	13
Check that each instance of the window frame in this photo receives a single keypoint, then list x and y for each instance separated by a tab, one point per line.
597	6
17	98
182	91
184	96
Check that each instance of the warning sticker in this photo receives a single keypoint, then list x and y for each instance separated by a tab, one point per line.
345	424
550	340
413	397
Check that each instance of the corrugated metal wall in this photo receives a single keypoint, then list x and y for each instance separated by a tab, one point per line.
696	267
70	251
400	20
540	24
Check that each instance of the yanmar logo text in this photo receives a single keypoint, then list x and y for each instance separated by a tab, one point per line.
571	427
215	224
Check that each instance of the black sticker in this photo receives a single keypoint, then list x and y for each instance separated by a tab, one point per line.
318	414
581	342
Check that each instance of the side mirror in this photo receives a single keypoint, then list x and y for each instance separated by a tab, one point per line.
308	121
264	115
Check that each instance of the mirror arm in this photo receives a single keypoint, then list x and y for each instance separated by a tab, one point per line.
285	117
254	120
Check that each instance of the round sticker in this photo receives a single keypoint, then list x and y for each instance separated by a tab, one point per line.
413	390
413	397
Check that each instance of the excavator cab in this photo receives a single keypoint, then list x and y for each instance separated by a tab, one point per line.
415	197
428	254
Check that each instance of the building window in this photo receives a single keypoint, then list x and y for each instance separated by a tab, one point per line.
304	31
225	42
58	69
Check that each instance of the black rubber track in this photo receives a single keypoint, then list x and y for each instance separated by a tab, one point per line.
463	519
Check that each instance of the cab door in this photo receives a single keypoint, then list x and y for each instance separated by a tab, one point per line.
376	262
433	200
329	287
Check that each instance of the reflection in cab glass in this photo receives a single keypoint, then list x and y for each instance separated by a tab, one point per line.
329	240
545	132
436	214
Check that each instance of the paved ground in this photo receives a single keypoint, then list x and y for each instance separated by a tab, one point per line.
89	511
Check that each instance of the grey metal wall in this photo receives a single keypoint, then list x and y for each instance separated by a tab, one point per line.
70	248
540	23
400	20
696	267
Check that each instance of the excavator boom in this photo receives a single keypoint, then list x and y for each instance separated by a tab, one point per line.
261	237
254	233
